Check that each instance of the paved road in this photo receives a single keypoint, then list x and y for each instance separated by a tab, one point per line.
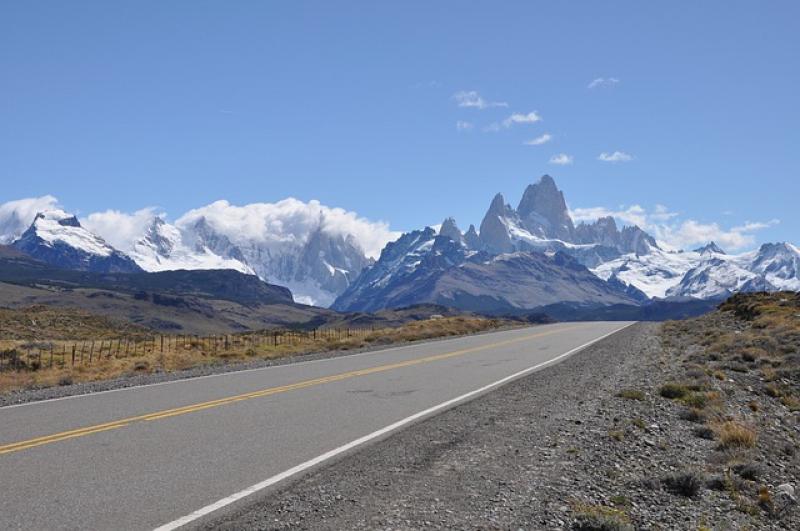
140	458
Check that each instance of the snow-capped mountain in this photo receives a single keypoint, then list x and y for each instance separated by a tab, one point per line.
57	238
423	267
326	254
162	248
315	251
708	272
542	222
316	265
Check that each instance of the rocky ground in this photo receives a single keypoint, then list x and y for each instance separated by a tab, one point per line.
649	429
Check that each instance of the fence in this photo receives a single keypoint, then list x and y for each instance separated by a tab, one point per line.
33	355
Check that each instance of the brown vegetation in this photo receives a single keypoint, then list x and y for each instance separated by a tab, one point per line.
741	366
43	323
29	364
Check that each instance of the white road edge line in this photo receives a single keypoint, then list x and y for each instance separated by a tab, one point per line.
233	498
267	367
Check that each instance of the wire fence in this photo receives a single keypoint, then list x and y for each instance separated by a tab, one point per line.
37	355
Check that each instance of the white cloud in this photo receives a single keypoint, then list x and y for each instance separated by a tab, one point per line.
17	216
601	82
562	159
472	99
519	118
120	229
539	140
516	118
665	226
290	221
464	126
617	156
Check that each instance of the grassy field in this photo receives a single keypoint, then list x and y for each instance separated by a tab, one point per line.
42	323
85	348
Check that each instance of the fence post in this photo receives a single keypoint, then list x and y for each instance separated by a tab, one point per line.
73	355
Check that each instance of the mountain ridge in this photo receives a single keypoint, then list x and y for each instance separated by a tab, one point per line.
630	261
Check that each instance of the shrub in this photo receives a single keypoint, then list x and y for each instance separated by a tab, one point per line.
673	390
733	434
752	354
693	414
65	380
686	484
695	400
704	432
631	394
601	518
769	374
765	498
749	471
619	500
617	435
791	402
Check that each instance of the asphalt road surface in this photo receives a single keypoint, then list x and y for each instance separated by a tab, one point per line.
172	454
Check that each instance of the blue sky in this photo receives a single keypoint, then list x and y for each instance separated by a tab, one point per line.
178	104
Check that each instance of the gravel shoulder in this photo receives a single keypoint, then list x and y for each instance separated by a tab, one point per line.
555	450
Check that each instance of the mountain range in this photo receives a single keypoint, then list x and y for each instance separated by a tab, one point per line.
519	258
534	255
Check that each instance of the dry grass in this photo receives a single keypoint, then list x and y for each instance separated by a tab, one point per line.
109	361
43	323
600	518
631	394
734	435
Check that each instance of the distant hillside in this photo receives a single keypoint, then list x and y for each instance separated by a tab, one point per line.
69	303
195	302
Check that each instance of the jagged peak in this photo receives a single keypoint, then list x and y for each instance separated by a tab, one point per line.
157	221
546	180
451	230
606	221
710	248
498	204
449	222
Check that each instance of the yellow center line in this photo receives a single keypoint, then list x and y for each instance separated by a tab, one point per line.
158	415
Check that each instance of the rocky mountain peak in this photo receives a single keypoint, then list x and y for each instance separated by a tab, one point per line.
710	248
632	239
607	223
451	230
494	227
498	205
544	212
472	239
160	236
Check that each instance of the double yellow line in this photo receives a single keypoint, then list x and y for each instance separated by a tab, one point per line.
167	413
